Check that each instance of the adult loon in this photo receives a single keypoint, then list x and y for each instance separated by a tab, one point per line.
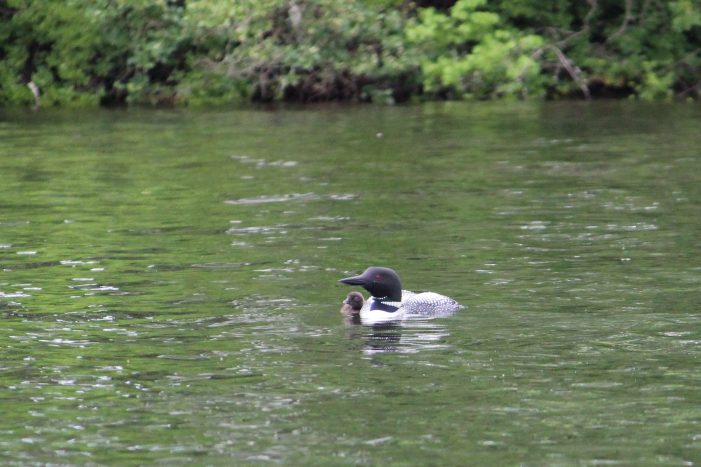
388	302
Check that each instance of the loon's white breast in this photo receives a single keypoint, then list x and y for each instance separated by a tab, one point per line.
370	314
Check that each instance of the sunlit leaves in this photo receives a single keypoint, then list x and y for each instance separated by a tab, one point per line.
686	14
469	52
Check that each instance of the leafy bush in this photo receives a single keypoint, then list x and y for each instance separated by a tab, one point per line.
154	52
470	52
645	48
89	51
300	50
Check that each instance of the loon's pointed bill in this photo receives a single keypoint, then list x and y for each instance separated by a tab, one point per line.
355	280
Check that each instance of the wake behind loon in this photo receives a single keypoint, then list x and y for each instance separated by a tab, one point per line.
389	302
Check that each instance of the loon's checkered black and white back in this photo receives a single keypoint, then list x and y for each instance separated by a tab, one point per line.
424	304
429	304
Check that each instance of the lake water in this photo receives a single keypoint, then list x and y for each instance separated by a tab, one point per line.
169	285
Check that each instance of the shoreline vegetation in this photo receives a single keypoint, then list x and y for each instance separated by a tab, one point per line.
210	52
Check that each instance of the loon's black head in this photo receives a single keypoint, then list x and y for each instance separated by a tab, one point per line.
382	283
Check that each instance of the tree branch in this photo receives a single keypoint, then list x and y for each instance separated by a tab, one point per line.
627	18
574	72
694	88
594	4
585	28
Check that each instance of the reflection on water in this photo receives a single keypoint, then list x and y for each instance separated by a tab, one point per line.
175	271
408	336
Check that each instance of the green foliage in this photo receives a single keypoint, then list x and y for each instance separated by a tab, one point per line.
80	49
90	52
643	48
470	52
304	49
38	46
686	14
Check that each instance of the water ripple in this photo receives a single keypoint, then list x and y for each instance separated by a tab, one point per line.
264	163
265	199
274	199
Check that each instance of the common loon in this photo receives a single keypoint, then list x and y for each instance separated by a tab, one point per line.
388	302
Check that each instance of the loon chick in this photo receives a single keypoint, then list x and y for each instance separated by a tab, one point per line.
389	302
353	304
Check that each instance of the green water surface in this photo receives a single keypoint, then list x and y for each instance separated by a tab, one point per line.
169	294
